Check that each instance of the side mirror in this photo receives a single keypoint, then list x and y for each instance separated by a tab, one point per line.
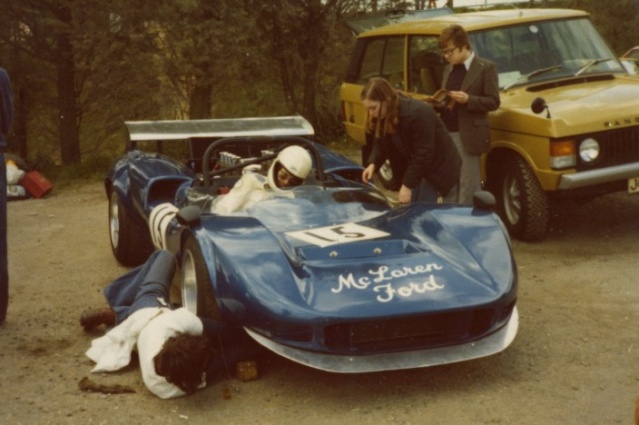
538	106
484	200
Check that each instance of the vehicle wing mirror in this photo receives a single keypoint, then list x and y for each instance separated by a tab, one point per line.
538	105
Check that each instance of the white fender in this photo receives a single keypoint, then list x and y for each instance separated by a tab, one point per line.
159	220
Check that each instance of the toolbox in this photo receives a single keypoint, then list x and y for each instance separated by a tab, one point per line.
35	184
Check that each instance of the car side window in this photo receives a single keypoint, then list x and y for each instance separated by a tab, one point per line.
384	57
425	65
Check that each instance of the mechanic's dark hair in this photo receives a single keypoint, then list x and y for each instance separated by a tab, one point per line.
456	34
184	359
380	90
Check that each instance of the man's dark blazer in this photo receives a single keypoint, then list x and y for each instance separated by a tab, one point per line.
482	86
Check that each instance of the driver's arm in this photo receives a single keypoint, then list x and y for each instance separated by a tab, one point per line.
237	197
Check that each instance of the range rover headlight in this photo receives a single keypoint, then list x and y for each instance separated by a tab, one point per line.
589	150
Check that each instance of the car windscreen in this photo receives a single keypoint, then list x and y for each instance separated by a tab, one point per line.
545	50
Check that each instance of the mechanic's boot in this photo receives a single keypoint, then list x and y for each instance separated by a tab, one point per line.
91	319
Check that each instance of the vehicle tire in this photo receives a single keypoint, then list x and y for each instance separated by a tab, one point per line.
523	205
196	292
384	174
130	242
386	177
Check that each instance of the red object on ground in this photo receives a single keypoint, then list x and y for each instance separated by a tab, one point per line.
36	184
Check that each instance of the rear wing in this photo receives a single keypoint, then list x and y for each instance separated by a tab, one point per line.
360	24
216	128
195	136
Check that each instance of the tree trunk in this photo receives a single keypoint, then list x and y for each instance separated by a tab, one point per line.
67	117
200	102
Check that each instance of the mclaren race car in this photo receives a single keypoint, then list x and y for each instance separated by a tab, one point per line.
328	272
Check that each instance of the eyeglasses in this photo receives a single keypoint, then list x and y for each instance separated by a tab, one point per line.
446	52
287	178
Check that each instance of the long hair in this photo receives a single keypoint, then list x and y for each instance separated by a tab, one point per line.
379	90
184	360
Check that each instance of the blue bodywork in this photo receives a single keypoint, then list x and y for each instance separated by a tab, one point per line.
437	284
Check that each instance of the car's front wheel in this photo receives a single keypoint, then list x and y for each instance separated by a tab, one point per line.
130	242
196	292
523	205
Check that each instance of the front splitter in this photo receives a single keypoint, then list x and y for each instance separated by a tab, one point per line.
487	346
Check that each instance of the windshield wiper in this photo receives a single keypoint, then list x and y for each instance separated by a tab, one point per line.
589	65
532	74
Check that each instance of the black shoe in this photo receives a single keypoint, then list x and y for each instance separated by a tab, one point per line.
91	319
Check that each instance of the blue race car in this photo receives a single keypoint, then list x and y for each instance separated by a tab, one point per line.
329	274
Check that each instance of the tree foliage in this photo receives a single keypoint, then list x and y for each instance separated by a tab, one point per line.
80	68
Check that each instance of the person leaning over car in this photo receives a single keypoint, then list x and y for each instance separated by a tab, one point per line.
6	118
411	135
473	83
291	168
175	347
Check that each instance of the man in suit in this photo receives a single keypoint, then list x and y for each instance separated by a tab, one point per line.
473	84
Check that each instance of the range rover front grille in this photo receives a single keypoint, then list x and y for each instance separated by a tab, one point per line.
618	146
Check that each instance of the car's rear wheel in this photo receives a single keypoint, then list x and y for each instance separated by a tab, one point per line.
129	242
523	205
196	292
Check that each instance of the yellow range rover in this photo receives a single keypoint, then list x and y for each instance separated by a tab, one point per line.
568	125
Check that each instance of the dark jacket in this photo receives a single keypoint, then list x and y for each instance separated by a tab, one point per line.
6	107
482	86
421	147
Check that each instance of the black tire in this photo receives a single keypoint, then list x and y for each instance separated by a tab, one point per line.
523	205
196	292
384	174
386	177
130	242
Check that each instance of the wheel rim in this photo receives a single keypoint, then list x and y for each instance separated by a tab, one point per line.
386	171
189	282
512	199
114	221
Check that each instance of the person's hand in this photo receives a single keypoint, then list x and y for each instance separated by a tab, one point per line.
404	195
368	173
459	96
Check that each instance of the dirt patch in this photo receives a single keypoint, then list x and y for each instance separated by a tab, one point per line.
574	361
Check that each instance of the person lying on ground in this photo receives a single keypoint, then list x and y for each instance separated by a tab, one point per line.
178	351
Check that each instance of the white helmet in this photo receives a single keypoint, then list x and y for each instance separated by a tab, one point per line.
296	160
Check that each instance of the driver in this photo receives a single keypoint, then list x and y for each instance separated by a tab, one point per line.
291	168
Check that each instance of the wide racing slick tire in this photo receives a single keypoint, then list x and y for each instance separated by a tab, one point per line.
523	205
196	291
130	242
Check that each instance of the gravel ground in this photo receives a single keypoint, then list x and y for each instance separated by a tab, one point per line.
574	361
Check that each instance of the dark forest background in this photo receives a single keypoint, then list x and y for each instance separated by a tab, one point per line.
80	68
